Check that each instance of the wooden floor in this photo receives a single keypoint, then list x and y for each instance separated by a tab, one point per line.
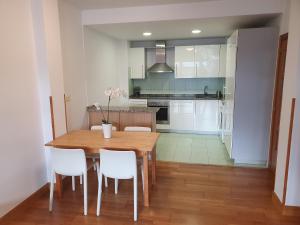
184	194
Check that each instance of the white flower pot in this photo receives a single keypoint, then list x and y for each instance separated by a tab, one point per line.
107	130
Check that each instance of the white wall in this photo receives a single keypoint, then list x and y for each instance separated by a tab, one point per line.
106	65
22	161
31	71
54	62
73	65
290	89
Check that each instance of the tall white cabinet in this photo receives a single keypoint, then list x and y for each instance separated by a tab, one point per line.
228	91
136	61
249	83
223	61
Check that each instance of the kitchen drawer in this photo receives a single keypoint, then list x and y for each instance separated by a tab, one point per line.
138	102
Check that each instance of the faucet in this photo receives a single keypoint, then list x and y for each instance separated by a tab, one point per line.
205	90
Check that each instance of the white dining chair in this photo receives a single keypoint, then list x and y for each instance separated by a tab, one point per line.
69	162
118	165
135	129
99	127
93	157
141	129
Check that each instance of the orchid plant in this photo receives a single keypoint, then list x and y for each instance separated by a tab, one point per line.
111	93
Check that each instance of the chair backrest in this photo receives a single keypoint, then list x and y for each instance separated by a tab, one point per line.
142	129
118	164
99	127
69	162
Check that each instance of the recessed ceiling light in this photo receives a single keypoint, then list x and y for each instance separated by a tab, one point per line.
196	31
189	49
147	34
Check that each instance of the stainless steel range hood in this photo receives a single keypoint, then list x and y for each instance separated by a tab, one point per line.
160	55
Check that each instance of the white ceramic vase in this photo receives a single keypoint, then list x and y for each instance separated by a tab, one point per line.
107	130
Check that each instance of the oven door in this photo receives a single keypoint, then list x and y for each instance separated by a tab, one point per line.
162	115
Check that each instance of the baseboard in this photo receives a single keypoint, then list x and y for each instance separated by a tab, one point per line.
164	130
291	211
251	162
284	209
276	201
34	196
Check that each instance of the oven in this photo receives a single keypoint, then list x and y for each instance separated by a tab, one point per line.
163	114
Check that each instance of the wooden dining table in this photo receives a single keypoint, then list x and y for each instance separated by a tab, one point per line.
143	143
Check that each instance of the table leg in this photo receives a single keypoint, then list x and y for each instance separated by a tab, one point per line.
153	157
146	179
58	185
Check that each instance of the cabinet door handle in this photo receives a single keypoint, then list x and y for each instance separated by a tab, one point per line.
175	69
143	72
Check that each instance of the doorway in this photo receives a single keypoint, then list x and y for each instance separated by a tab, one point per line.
277	101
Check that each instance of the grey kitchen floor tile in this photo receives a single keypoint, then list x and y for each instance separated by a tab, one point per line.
192	148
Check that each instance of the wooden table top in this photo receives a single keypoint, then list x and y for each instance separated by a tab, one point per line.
92	141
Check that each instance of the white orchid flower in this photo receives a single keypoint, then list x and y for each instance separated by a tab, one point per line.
108	92
115	93
112	93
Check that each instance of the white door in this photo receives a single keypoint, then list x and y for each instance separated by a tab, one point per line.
185	62
136	61
207	58
207	116
182	115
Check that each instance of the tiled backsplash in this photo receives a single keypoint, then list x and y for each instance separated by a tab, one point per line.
166	83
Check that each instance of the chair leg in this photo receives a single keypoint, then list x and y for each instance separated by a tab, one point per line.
105	181
142	171
85	193
135	198
51	191
116	185
99	193
80	177
73	183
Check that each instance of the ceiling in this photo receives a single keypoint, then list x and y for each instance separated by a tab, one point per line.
103	4
213	27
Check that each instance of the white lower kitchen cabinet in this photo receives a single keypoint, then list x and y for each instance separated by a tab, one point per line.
182	115
206	116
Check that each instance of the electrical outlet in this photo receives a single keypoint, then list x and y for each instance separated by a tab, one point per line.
68	98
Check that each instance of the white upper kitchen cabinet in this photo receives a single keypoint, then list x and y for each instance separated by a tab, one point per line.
136	61
185	62
223	56
207	60
207	116
182	115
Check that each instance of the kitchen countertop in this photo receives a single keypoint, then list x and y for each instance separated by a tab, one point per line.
176	96
124	109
